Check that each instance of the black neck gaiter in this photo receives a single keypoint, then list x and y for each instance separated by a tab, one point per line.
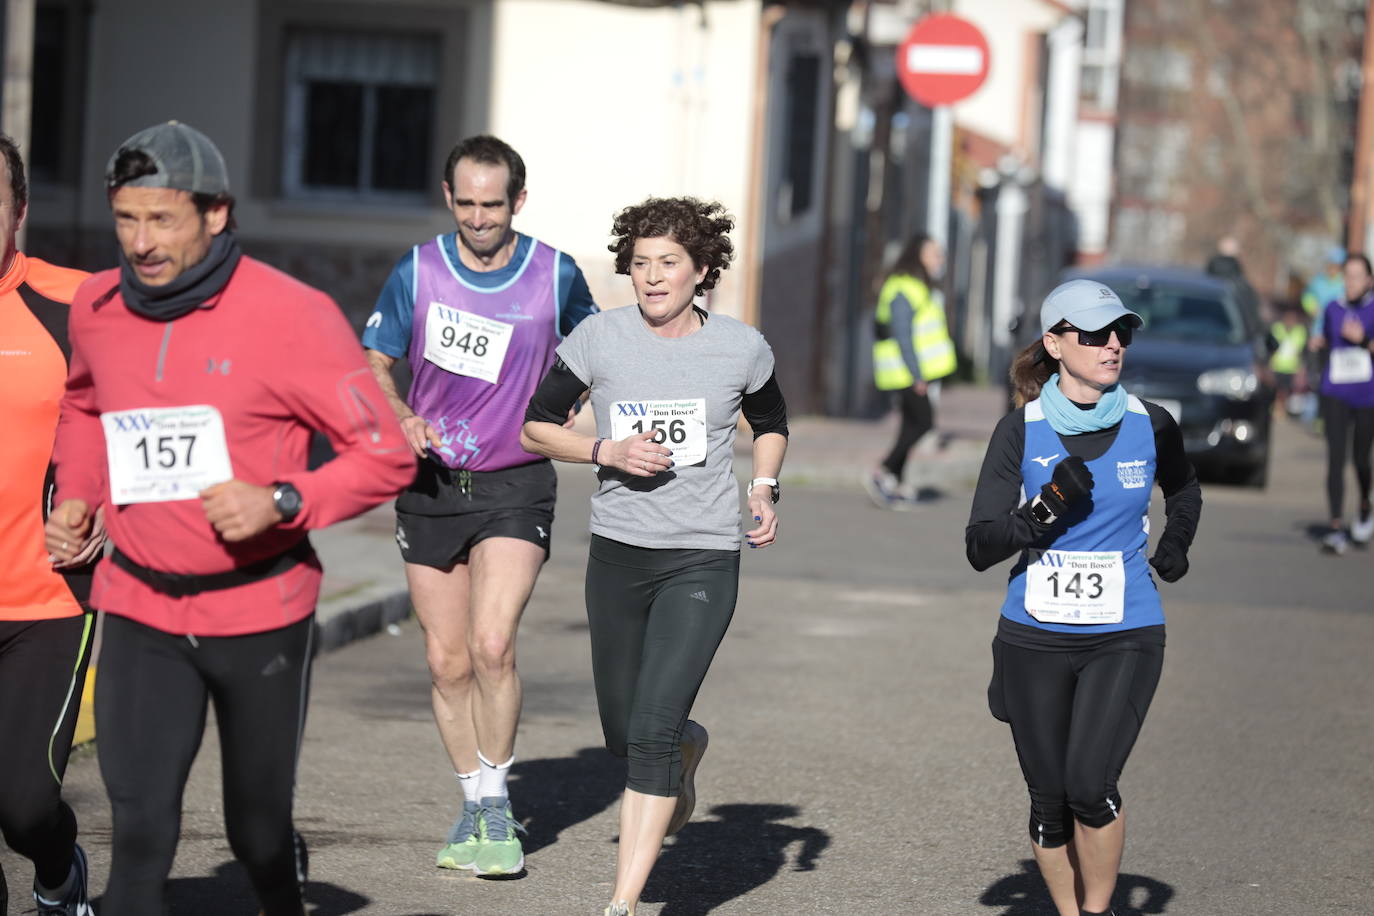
187	291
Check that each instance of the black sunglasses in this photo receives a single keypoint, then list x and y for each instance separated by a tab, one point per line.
1100	338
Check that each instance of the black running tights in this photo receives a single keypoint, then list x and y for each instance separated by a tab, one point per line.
918	417
656	618
150	707
1074	717
42	670
1345	424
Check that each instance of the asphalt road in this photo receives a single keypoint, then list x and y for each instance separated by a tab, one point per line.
853	765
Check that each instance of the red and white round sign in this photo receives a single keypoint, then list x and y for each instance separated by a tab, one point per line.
943	60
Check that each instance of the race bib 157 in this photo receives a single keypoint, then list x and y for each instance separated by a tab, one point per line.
163	454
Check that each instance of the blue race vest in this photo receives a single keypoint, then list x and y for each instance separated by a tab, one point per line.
1119	522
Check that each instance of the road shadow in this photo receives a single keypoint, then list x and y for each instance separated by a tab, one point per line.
711	862
553	794
1024	894
229	893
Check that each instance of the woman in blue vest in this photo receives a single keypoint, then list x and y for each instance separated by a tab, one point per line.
911	353
1065	488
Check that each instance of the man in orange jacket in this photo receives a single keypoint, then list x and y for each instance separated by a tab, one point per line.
198	374
45	627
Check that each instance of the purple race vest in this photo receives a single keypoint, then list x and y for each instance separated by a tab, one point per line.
476	355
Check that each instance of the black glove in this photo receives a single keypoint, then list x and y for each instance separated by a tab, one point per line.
1170	561
1072	481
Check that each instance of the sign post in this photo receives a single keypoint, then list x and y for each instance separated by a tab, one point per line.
943	60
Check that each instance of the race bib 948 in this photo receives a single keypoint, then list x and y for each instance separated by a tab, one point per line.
466	344
163	454
680	425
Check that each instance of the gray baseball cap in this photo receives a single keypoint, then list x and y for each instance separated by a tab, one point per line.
1085	304
186	159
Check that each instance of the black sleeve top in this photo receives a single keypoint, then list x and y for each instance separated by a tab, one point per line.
1000	526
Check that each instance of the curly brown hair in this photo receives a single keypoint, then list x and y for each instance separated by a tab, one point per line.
699	226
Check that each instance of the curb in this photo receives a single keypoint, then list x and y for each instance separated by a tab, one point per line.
366	619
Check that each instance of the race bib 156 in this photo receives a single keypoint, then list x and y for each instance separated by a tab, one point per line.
1072	586
163	454
681	425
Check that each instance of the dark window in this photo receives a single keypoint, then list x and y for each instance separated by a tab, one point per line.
800	114
334	122
360	113
50	38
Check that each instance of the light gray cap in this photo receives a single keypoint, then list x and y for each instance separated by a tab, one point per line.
186	159
1085	304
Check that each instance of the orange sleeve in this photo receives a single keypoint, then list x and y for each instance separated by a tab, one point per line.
79	451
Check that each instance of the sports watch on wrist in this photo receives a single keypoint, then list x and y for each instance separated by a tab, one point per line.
769	482
1041	512
287	499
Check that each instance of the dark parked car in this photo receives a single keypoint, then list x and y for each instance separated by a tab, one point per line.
1203	357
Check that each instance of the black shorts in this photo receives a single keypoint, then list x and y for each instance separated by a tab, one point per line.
446	512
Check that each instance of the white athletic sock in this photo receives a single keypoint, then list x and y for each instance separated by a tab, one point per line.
492	781
469	783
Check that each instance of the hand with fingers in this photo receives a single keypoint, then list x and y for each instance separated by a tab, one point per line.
71	531
239	510
420	435
1071	483
765	532
638	455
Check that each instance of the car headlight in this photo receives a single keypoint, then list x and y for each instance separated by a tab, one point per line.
1236	384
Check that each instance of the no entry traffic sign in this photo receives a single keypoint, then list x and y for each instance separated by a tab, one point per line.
943	60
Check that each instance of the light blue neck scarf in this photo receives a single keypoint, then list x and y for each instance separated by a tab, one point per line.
1068	419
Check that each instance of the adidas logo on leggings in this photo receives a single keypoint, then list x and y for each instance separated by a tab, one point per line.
701	596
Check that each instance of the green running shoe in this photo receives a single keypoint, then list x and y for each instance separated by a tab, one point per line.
461	851
499	853
693	745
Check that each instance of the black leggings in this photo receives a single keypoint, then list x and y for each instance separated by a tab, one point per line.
918	417
656	618
1074	716
150	705
42	671
1343	423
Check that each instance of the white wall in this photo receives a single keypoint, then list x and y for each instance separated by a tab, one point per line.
995	110
610	104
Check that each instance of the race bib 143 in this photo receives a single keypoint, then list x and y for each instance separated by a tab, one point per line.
1072	586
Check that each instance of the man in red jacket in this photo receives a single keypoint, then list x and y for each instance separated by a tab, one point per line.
197	376
45	626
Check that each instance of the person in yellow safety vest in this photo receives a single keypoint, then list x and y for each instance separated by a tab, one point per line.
913	351
1290	336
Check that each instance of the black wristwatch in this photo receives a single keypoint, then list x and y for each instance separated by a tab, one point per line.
1041	512
288	501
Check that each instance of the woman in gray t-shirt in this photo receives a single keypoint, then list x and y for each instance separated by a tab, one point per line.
668	383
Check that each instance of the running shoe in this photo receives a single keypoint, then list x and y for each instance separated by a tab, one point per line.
463	840
882	488
1362	529
1335	542
499	853
694	741
75	902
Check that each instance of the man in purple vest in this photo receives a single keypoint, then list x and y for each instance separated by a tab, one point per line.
478	313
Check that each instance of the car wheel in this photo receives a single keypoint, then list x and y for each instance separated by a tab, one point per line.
1257	475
